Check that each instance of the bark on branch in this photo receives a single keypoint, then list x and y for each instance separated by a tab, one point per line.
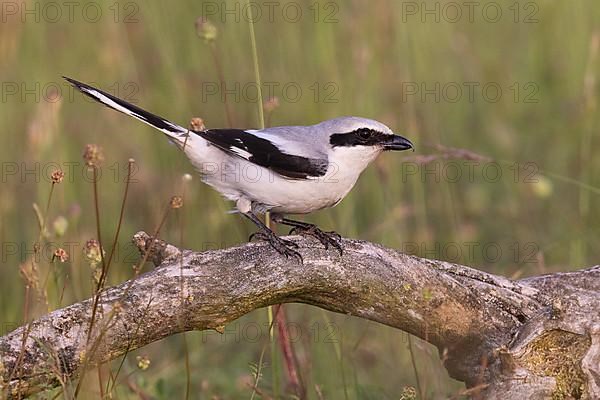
532	338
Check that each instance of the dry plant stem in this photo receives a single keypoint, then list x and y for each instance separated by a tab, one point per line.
105	264
17	369
146	254
261	119
119	224
103	261
540	335
258	373
100	380
413	360
185	344
38	243
289	355
102	274
116	238
45	218
28	286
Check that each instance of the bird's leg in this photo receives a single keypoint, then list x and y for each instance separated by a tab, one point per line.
282	246
305	228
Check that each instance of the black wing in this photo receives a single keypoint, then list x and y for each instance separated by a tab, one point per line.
264	153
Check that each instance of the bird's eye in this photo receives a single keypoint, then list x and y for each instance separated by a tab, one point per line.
364	133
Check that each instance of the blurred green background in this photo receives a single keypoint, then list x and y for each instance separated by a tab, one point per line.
512	84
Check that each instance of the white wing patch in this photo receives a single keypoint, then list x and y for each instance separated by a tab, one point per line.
241	152
267	152
283	144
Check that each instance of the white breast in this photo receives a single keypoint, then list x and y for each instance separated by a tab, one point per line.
237	178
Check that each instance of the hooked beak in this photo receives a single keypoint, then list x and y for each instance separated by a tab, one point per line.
397	142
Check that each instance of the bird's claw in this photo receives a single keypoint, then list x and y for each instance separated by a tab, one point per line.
326	238
268	238
282	246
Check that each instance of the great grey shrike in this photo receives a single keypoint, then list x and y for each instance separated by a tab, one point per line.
281	170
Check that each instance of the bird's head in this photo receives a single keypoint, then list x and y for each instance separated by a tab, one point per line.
364	133
355	139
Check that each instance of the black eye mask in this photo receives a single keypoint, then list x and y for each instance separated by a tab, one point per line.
358	137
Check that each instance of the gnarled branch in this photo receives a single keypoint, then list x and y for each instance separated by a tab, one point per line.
512	339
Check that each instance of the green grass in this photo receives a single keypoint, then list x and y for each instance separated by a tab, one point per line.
363	64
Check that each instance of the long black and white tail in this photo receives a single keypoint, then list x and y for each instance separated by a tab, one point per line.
168	128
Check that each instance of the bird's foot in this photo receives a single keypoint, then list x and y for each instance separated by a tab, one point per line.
330	238
282	246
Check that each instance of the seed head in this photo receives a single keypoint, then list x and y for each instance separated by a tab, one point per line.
30	274
197	124
176	202
143	362
57	176
91	252
271	104
96	273
92	155
408	393
206	30
61	255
